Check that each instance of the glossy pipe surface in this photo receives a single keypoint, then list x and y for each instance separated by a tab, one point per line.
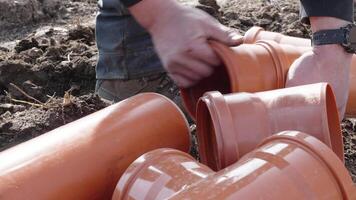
85	159
247	68
254	68
289	165
255	34
159	174
230	126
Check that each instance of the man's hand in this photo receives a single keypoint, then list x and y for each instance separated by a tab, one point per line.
181	35
326	63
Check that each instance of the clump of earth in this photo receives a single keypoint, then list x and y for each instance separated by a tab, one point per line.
47	70
47	80
48	57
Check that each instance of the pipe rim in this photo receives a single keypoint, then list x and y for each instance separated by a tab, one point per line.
189	99
177	108
186	97
278	58
208	148
222	50
324	153
251	34
183	117
331	118
213	104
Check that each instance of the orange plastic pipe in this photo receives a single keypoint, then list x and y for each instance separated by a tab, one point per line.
159	174
290	165
351	103
230	126
85	159
257	33
254	68
247	68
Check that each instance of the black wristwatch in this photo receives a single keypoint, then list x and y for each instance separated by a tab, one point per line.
345	36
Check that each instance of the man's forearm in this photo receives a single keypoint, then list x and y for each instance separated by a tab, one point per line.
334	60
335	51
325	63
180	35
324	23
150	12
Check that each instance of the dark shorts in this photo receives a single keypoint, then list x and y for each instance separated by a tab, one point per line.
118	90
342	9
125	49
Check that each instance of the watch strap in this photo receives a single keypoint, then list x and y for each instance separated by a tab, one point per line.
325	37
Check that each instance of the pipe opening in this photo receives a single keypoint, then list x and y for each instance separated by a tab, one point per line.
334	123
207	142
218	81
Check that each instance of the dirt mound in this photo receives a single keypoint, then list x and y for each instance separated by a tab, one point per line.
19	123
349	130
46	81
51	63
15	13
277	16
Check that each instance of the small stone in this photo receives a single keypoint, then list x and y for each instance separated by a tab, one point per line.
6	107
35	52
7	114
265	22
246	21
4	49
26	44
232	16
5	126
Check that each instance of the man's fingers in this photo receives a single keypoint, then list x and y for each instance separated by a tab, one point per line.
192	66
205	53
226	35
186	72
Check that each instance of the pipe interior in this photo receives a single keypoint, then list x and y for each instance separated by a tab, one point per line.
207	136
218	81
333	123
